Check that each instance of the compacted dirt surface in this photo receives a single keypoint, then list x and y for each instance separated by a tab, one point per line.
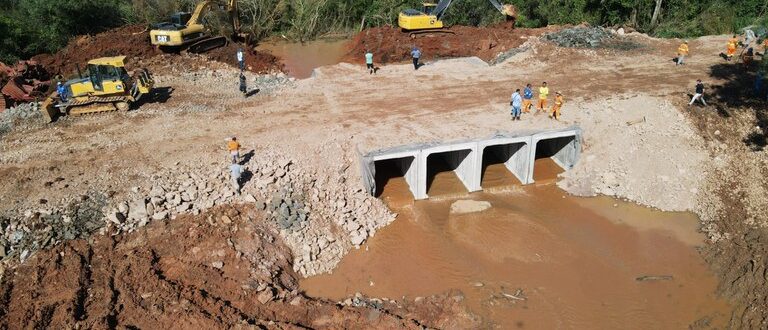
145	191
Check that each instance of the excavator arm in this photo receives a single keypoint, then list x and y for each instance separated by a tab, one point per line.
203	7
200	10
443	5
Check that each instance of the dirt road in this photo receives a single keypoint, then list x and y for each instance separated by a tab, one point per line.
673	160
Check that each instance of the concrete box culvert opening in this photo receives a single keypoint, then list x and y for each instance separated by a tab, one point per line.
554	156
388	169
512	156
449	172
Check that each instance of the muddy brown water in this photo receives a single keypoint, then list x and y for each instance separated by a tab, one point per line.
537	259
301	58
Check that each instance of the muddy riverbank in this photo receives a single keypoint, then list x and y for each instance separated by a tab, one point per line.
537	258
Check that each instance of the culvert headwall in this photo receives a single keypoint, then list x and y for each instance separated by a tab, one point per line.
419	163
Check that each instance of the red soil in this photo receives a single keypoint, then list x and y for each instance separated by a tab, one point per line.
133	42
390	44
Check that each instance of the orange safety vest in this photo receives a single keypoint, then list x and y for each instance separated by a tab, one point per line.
733	43
683	49
559	100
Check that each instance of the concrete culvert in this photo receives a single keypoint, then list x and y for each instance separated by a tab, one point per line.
449	172
388	169
512	158
555	155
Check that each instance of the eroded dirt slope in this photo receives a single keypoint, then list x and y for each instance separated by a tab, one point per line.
224	268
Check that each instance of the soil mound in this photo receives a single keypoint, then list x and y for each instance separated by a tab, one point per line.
133	42
390	44
225	268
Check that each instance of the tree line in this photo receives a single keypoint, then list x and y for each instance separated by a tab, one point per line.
29	27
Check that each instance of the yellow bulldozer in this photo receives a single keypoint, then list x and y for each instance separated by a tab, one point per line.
108	87
429	19
187	31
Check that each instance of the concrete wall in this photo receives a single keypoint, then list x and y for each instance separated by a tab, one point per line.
465	158
564	147
514	150
408	164
461	158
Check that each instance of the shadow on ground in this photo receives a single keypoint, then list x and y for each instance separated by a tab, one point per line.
741	91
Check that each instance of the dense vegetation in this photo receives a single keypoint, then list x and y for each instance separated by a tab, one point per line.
28	27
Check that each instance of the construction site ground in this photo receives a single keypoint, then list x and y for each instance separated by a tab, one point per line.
642	143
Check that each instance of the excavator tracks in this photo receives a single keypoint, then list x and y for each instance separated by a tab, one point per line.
207	44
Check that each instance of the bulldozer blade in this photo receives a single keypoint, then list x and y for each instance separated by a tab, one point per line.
48	109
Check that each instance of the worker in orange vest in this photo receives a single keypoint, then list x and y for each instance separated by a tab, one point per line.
234	149
733	43
765	46
556	108
682	52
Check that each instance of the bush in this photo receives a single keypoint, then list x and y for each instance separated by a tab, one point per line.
31	27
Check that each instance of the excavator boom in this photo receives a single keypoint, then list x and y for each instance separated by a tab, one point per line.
193	35
411	19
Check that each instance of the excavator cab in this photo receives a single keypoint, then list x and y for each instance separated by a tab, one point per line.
181	18
429	7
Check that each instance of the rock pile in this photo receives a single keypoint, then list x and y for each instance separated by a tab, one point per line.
580	36
21	235
22	114
319	216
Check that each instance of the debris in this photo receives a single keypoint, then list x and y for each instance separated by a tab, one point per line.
654	278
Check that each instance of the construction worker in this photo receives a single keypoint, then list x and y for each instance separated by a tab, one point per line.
62	91
233	147
235	171
416	55
765	46
241	59
749	37
682	52
699	95
556	108
748	56
517	104
733	43
527	98
243	87
543	93
369	62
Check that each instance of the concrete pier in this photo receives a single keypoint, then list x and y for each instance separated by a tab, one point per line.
419	163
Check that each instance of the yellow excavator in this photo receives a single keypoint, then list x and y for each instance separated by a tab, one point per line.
429	19
186	30
108	87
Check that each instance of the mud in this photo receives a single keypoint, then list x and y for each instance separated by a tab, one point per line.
301	59
390	44
538	259
225	268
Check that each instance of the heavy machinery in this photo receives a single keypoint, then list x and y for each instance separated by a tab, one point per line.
429	19
187	31
108	87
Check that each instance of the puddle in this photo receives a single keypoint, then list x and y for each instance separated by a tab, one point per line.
301	58
575	260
